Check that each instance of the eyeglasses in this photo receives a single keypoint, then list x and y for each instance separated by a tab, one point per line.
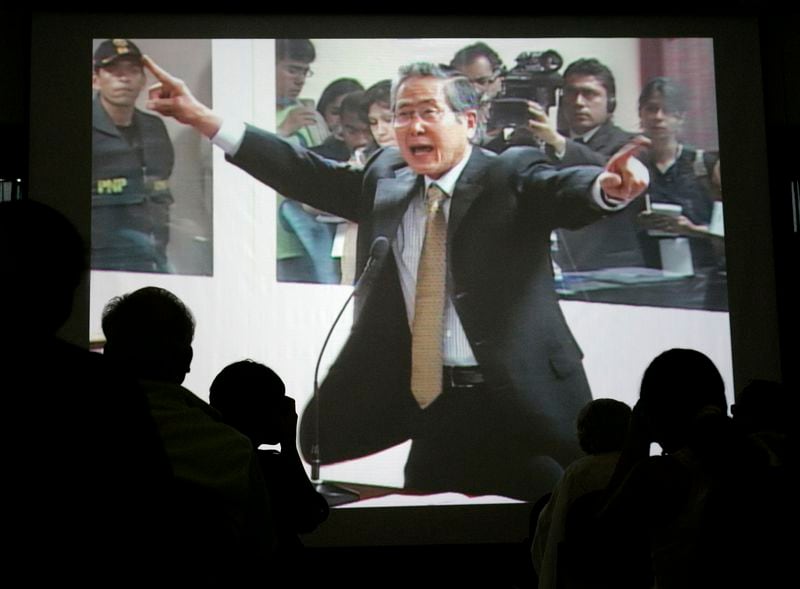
298	71
428	114
485	80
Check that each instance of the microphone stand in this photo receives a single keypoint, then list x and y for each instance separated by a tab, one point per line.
335	494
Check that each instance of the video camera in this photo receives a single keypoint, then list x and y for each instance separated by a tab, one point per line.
536	78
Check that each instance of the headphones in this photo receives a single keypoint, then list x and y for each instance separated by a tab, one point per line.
592	67
611	104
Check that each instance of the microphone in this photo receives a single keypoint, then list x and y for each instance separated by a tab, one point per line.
334	494
377	254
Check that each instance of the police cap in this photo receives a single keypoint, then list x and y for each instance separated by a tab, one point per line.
113	49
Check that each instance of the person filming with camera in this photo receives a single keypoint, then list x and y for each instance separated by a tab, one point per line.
589	136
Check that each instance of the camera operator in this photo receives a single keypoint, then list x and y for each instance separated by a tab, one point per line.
587	104
588	99
588	136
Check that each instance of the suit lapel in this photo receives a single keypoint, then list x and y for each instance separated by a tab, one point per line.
392	196
468	187
600	139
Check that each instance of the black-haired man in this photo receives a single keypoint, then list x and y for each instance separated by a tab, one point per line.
587	106
132	160
589	136
492	411
297	119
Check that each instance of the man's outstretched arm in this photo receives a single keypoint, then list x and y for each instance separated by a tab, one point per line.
291	170
171	97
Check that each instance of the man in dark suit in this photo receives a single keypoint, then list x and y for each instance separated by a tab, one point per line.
587	135
509	382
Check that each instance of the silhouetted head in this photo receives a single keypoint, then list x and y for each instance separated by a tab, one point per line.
249	396
603	426
149	333
42	259
676	386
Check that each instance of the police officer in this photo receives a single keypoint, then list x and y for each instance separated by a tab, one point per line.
132	159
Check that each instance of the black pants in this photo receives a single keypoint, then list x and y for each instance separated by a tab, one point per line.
462	444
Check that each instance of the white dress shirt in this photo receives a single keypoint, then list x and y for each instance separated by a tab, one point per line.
407	245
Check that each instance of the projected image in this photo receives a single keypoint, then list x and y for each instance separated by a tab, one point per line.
151	181
496	204
313	245
667	250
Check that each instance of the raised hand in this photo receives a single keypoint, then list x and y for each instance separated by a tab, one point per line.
171	97
543	127
624	177
298	117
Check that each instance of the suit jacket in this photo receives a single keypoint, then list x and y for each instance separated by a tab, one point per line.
602	145
499	278
613	241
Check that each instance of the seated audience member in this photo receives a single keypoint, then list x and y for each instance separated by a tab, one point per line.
378	106
252	399
483	67
602	428
226	510
705	513
331	99
86	478
679	175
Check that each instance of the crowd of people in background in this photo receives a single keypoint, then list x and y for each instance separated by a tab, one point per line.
683	177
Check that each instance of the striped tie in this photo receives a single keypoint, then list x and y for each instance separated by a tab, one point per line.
426	330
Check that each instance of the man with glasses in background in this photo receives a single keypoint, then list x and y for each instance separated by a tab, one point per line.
458	342
483	68
303	241
296	118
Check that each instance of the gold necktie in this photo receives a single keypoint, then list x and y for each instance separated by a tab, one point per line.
426	330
